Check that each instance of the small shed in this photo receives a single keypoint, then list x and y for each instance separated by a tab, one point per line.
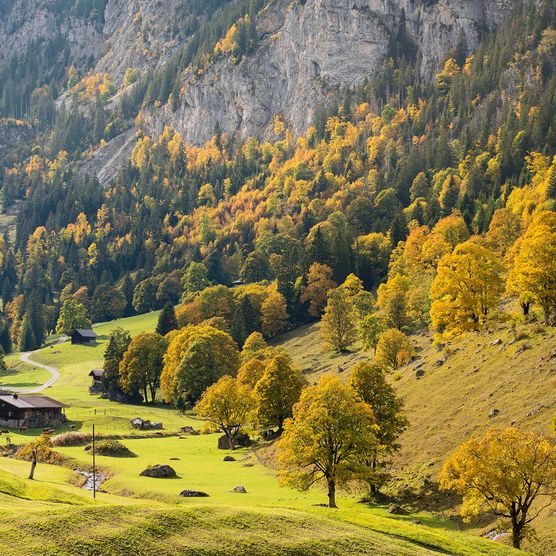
83	336
30	411
97	374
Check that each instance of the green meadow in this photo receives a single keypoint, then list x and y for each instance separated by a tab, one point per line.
142	515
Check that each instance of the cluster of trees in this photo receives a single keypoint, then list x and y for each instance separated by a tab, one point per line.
388	162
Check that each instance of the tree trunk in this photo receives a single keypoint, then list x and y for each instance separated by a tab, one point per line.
332	493
373	488
525	307
516	536
33	465
231	440
516	530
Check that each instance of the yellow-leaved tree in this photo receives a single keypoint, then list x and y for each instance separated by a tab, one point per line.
393	350
509	473
468	285
533	276
277	391
197	356
330	439
228	404
338	325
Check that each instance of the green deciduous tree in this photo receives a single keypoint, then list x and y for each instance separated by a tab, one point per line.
73	315
330	439
370	383
141	366
197	356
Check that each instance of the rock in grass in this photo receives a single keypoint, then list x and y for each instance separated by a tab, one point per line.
159	472
193	494
242	440
240	489
229	458
395	509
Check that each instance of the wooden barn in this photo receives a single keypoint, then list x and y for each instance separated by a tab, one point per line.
30	411
82	336
97	374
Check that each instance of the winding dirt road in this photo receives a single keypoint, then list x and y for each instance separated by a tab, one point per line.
54	371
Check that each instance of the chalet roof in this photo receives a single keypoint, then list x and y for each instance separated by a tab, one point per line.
97	372
85	332
30	402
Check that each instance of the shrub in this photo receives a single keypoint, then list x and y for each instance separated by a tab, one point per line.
113	448
73	438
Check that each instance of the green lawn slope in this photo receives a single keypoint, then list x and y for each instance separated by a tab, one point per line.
141	515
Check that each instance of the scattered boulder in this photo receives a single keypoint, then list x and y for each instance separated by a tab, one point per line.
239	489
440	362
145	425
395	509
186	429
159	472
523	347
419	373
493	413
174	459
193	494
229	458
242	440
248	464
496	342
553	355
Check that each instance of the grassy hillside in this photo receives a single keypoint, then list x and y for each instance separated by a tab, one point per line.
513	372
52	517
22	375
269	519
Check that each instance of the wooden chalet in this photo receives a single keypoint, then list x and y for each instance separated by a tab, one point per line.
30	411
97	374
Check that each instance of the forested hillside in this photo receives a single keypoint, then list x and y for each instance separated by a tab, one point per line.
392	157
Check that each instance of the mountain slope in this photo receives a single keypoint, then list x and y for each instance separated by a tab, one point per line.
309	49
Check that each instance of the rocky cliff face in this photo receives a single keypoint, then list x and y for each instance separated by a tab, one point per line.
25	21
140	34
308	49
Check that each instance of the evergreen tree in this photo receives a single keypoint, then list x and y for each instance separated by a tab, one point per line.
167	320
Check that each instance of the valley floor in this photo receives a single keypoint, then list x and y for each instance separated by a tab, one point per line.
142	515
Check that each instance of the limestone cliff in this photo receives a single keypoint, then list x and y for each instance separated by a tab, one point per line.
308	49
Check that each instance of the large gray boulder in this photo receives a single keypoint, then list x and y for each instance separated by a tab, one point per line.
159	472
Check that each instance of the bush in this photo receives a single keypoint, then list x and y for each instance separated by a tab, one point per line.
113	448
72	439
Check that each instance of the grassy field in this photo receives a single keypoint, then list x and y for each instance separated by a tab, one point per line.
269	519
22	375
50	517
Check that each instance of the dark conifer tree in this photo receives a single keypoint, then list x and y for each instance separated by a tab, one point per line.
167	320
